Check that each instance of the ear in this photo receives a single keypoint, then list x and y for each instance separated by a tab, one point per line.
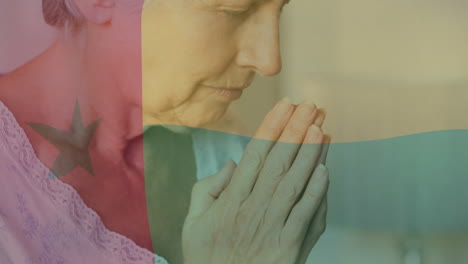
96	11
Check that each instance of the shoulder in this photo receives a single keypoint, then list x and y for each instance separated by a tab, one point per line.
11	86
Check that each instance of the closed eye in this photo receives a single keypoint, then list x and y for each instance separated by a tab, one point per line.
236	13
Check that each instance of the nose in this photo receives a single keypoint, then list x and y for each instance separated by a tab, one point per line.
259	48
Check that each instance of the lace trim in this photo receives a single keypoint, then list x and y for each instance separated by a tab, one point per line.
64	196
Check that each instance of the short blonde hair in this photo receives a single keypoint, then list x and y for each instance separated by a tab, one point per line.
62	13
66	14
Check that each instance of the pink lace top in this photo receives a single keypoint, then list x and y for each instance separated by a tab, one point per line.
44	221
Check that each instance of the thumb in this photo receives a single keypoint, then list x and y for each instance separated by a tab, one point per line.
207	190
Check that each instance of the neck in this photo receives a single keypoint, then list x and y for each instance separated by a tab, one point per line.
74	70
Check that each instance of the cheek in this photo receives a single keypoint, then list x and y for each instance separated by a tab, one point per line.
201	114
180	51
215	46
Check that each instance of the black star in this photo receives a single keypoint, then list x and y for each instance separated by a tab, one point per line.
73	144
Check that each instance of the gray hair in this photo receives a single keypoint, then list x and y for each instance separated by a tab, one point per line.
62	13
65	14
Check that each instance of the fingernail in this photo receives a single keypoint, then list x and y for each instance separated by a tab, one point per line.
315	128
319	120
322	169
282	106
315	136
285	100
309	103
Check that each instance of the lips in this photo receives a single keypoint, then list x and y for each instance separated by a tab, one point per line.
228	93
227	88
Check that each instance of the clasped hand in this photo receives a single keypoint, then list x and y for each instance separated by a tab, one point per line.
271	207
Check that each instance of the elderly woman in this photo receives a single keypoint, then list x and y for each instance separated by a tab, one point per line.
97	136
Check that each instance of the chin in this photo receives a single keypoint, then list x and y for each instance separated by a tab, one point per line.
178	129
189	126
205	118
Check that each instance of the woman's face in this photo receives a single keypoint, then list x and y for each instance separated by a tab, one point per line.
198	56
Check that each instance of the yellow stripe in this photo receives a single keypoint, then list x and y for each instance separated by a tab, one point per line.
360	113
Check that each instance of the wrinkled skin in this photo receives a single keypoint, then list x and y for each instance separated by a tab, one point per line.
271	207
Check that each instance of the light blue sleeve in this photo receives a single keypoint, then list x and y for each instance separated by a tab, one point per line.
213	149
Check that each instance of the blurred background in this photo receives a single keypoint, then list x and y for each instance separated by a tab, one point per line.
392	76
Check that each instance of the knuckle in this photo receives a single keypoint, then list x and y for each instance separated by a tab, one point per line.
303	159
326	184
301	220
320	134
320	229
291	239
243	219
275	168
272	125
323	227
254	160
296	129
228	199
311	196
288	191
197	187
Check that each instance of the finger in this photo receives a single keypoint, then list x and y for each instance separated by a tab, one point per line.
314	232
311	235
293	183
298	221
257	150
283	153
319	220
320	119
297	127
325	147
323	155
206	191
